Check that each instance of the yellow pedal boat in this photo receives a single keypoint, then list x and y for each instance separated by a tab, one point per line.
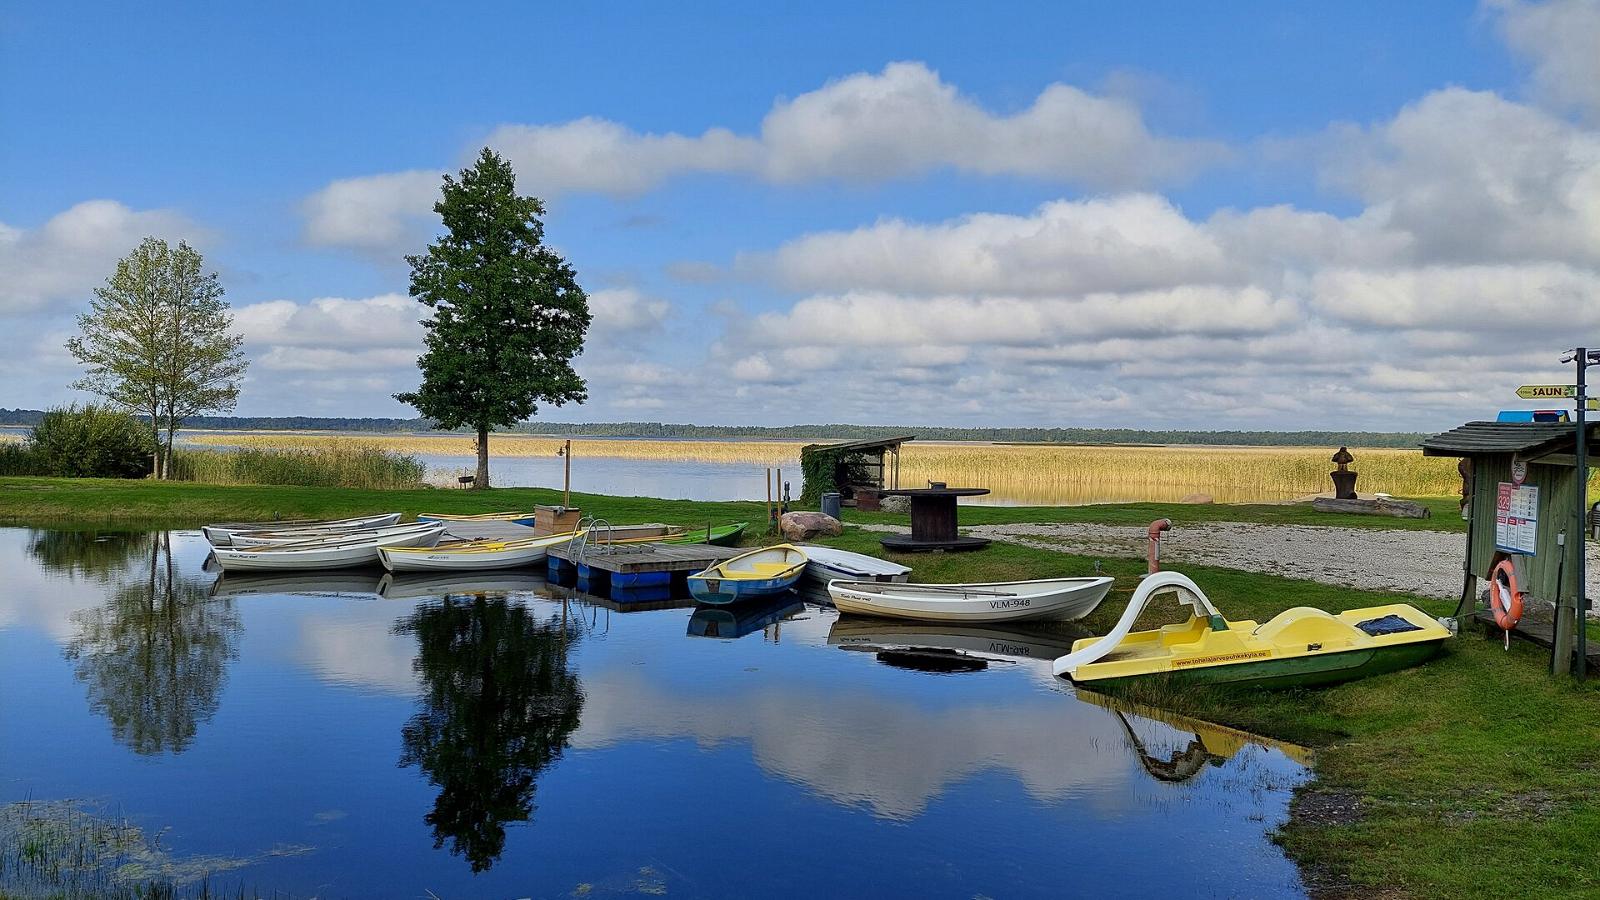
1298	647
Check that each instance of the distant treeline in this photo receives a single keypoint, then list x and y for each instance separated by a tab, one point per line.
808	432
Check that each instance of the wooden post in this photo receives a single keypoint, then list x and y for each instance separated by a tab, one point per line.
566	490
769	500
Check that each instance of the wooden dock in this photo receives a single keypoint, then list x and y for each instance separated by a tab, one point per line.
1538	633
633	559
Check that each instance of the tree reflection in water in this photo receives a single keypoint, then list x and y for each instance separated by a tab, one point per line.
104	556
499	706
154	656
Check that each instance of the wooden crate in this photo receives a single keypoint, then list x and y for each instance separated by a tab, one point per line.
555	519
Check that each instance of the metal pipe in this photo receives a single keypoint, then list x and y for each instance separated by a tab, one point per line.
1581	608
1154	534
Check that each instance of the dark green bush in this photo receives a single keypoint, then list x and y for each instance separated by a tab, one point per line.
18	458
91	442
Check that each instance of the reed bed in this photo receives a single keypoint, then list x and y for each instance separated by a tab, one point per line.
1035	474
1015	473
332	463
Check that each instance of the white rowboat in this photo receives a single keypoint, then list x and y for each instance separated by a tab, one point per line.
321	553
1008	601
827	563
221	534
466	556
243	539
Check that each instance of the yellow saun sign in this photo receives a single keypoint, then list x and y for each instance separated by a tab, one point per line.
1226	657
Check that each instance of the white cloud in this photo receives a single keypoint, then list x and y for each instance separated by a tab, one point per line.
73	252
596	155
904	121
376	213
1561	39
1473	177
623	310
1120	243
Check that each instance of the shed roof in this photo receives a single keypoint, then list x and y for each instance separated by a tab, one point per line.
1480	438
876	444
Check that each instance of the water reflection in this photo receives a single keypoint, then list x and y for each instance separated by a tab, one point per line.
95	555
154	655
499	702
739	619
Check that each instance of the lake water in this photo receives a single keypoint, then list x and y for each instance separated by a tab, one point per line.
349	736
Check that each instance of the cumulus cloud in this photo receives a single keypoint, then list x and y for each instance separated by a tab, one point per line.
373	212
1561	41
71	254
625	310
904	121
1470	176
1474	260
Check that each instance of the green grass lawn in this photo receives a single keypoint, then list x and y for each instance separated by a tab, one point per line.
1472	776
91	501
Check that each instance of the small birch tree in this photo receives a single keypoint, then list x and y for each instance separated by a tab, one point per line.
158	340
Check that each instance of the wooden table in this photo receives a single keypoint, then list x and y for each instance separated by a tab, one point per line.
933	521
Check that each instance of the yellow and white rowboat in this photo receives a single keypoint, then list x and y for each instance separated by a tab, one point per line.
460	556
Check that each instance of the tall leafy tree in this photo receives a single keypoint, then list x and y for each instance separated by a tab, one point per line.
507	316
158	339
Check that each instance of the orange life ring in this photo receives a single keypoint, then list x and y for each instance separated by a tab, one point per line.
1505	601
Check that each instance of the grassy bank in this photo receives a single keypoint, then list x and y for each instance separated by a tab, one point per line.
87	501
1421	774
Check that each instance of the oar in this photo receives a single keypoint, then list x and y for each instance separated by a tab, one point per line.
956	590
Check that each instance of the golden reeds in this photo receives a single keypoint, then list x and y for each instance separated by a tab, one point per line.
1015	473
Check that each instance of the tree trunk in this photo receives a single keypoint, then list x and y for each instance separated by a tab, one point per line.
155	439
482	480
168	460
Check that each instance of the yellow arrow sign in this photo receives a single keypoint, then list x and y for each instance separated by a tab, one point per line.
1548	391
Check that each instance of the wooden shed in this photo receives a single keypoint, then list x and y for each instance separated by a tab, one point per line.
1520	521
856	469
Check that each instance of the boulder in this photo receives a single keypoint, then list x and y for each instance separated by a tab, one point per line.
803	526
1196	498
896	504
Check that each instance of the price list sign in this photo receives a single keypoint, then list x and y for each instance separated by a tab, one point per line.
1516	518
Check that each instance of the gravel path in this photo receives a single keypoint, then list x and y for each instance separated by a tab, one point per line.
1414	562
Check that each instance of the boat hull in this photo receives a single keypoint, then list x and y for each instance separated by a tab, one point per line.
314	556
722	591
221	534
830	564
1056	600
1290	672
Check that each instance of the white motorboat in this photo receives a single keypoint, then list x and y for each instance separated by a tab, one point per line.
221	533
320	553
300	536
466	556
825	564
1006	601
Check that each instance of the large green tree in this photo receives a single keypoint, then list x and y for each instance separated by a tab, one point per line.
158	339
507	316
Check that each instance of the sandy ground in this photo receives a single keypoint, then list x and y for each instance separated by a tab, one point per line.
1414	562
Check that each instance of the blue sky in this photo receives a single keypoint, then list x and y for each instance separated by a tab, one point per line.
1263	215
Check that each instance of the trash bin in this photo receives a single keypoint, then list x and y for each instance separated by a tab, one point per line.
830	504
1594	521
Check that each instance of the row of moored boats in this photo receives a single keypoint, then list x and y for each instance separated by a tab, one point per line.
421	546
1300	646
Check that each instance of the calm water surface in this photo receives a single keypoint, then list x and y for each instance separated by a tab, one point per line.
343	735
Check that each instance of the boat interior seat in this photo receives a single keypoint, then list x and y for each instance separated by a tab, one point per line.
1306	625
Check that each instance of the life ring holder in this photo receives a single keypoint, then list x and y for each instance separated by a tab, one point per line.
1505	601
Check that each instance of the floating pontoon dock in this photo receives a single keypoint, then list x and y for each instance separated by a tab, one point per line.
636	565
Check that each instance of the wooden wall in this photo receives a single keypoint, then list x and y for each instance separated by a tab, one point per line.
1557	490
